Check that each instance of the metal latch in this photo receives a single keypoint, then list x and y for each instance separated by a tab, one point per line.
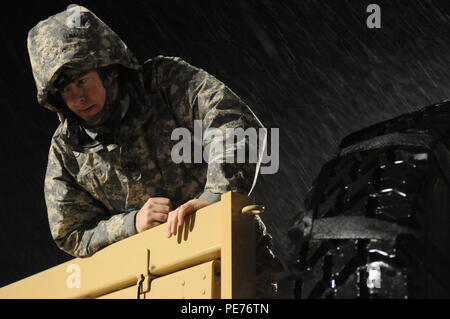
143	276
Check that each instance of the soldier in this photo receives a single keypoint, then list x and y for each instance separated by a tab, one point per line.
110	174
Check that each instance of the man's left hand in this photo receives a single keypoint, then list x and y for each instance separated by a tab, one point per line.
176	217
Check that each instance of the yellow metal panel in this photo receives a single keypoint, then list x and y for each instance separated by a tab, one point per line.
126	293
198	282
118	265
217	231
238	271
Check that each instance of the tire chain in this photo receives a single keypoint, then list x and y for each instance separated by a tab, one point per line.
386	183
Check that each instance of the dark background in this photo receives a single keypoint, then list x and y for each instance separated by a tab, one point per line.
311	68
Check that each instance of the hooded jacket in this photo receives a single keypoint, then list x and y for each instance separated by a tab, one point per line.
93	193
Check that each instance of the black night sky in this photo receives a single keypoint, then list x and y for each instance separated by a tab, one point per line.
313	69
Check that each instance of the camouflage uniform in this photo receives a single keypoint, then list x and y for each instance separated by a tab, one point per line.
94	192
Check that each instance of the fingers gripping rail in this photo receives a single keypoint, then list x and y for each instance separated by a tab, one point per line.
212	256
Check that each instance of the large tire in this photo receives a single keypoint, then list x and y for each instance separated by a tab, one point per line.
395	174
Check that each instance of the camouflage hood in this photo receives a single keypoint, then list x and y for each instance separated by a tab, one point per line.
76	39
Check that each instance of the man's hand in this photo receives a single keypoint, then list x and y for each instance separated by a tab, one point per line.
153	213
176	217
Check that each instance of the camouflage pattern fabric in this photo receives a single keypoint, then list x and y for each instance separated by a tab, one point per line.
93	194
57	42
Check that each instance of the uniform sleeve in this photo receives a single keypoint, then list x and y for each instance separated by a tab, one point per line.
194	95
79	224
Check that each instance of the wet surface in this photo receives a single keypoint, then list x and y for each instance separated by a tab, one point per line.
352	269
311	68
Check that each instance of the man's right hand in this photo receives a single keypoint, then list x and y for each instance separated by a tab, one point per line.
153	213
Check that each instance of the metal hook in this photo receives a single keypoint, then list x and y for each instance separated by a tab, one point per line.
140	286
253	209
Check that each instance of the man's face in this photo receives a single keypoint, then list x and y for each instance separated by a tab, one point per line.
85	96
